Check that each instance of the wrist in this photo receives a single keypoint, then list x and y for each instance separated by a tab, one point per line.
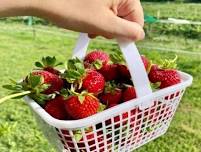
51	10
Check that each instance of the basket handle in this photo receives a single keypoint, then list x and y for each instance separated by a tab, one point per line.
134	62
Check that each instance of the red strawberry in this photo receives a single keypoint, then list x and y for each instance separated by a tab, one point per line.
55	108
53	80
88	79
129	93
123	72
48	64
166	77
93	82
97	55
39	85
166	74
52	70
169	78
123	69
155	73
82	106
109	71
146	62
111	95
110	98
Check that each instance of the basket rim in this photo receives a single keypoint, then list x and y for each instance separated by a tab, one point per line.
102	116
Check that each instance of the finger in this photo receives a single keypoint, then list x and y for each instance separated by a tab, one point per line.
92	36
108	36
132	11
119	27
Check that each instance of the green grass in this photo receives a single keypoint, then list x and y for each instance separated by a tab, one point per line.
19	48
189	11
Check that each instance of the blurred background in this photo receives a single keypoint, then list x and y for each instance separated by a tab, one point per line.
172	27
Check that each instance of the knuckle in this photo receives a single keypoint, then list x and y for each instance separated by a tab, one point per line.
139	35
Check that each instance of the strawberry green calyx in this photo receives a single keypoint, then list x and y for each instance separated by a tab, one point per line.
149	66
155	86
48	62
33	85
102	107
169	63
83	94
64	93
110	87
117	58
98	64
74	70
77	135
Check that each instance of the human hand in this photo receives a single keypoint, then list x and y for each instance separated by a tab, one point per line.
108	18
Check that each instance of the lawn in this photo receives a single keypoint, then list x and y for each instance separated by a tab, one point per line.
21	45
165	10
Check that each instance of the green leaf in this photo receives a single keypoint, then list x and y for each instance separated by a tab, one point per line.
102	107
42	98
117	58
75	70
78	135
75	64
50	61
35	80
64	92
13	81
14	87
97	64
81	72
71	75
44	87
81	98
110	87
60	63
168	63
70	64
155	86
44	61
38	64
9	87
79	66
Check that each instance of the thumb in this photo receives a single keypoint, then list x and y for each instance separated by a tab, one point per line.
119	27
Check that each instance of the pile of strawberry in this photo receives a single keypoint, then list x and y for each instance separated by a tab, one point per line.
88	86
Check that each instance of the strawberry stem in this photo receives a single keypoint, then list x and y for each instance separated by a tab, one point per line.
14	96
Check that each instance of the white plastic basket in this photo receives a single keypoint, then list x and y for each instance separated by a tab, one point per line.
122	128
